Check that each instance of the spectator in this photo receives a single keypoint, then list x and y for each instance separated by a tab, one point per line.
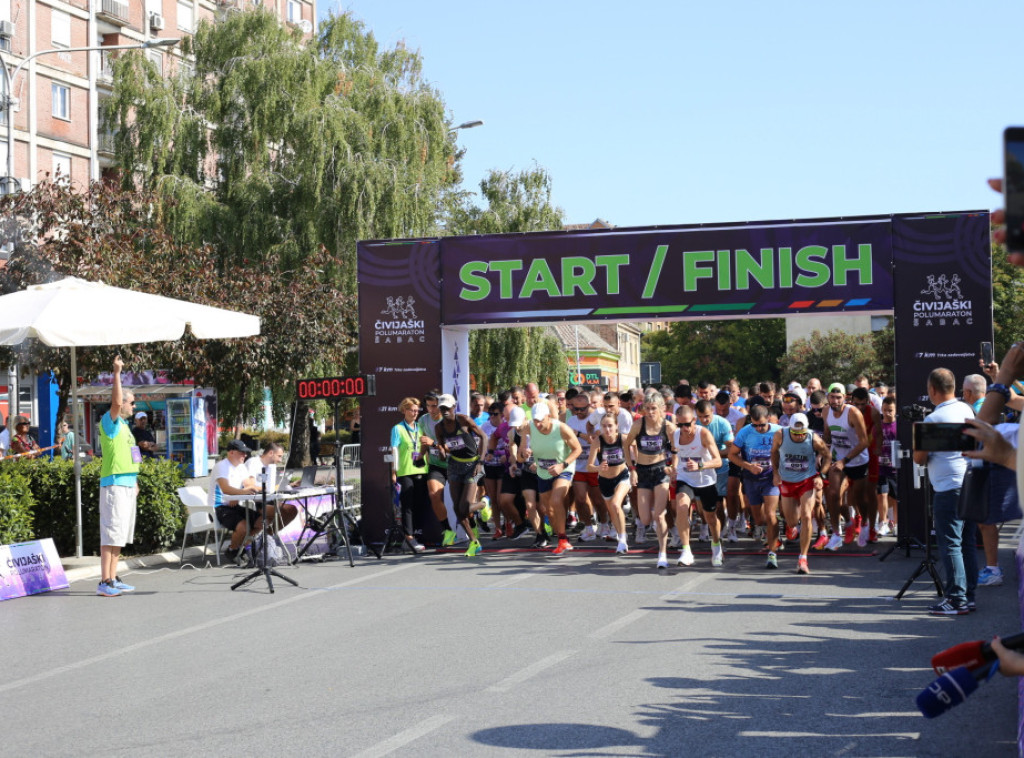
144	436
22	442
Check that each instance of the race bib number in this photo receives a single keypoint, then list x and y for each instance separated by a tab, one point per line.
136	454
546	462
797	465
613	456
456	443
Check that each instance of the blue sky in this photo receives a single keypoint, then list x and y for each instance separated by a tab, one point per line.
669	113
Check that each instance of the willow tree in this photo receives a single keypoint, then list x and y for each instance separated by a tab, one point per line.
269	148
499	358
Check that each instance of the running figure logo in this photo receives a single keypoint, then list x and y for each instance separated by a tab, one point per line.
400	309
943	288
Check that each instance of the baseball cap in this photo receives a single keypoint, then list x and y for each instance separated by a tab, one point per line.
446	401
794	386
239	446
540	411
798	422
837	387
798	393
141	414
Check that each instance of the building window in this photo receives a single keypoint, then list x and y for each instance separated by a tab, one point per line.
184	16
61	101
157	59
294	12
62	168
60	28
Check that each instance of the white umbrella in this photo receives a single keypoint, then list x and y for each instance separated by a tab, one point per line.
71	313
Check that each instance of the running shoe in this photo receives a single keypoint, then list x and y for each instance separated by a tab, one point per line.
821	542
510	529
949	608
498	535
990	578
564	546
662	561
641	533
730	533
118	584
486	512
107	589
475	548
704	535
716	554
792	532
761	533
520	530
674	540
626	507
874	535
852	530
971	606
773	562
801	566
588	534
622	550
862	536
835	542
448	539
685	557
604	532
541	542
884	530
416	546
571	520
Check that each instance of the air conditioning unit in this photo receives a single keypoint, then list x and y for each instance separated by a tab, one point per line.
156	22
6	29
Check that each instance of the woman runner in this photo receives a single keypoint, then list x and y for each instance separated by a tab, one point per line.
609	458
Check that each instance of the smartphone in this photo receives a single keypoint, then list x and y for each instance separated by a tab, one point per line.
1013	187
986	353
939	437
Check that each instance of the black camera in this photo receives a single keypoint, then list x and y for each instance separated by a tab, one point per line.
914	412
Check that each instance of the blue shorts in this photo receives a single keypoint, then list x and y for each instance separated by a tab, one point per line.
757	490
546	485
723	480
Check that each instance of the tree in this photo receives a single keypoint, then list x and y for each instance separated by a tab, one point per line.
833	357
500	358
1007	301
718	350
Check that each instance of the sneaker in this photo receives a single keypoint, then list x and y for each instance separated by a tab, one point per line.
874	535
509	529
761	533
641	533
674	540
801	566
622	550
883	530
231	554
862	536
662	561
685	557
835	542
792	532
588	534
972	606
948	608
773	562
484	526
416	546
716	555
486	512
851	531
571	520
604	532
107	589
499	534
730	533
990	578
626	507
821	542
704	535
448	539
541	542
564	546
475	548
520	530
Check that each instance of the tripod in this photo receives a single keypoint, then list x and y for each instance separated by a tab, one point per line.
396	536
264	571
928	562
334	524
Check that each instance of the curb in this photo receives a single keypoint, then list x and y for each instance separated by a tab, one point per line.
81	573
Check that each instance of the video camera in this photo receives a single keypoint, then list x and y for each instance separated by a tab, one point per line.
915	412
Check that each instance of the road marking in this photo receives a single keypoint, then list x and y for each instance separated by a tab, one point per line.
220	621
403	738
609	629
522	577
832	735
530	671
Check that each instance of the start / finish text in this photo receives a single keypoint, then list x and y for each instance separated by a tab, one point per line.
725	270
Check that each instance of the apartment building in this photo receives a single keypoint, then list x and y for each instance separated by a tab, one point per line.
57	95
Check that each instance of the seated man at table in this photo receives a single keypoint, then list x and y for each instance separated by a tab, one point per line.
231	477
144	436
273	455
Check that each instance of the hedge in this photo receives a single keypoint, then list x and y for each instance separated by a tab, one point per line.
37	500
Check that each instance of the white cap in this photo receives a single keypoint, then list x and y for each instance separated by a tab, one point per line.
540	411
799	422
516	416
794	386
140	414
446	401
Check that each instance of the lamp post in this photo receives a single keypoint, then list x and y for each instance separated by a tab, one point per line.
468	125
9	77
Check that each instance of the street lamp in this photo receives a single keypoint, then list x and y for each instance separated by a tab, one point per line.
9	77
467	125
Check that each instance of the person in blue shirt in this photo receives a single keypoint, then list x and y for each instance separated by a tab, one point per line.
721	430
751	451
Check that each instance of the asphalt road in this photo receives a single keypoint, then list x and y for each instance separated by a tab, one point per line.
509	654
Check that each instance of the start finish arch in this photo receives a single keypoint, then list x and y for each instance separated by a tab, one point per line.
418	299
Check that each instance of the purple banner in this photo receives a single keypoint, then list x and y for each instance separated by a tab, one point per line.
764	269
942	270
399	342
28	568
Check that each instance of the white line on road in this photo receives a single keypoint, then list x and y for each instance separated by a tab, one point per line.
531	671
609	629
521	577
403	738
220	621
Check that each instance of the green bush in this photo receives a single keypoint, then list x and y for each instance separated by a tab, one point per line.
16	504
343	435
51	506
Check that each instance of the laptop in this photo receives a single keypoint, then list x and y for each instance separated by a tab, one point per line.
308	477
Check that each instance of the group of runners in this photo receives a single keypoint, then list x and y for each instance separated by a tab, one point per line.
702	459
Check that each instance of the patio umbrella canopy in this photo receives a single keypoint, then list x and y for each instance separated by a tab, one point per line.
55	313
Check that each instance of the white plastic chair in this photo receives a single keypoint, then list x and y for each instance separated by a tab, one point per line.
202	519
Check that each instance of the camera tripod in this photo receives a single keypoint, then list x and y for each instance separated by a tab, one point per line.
265	570
928	562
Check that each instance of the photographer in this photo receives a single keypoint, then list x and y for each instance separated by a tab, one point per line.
956	537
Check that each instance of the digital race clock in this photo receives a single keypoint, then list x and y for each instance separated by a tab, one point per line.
337	387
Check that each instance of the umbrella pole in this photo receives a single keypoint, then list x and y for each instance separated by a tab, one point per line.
75	455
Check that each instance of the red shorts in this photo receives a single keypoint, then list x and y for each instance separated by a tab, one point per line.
796	489
590	477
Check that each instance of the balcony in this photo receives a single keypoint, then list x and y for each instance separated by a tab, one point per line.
106	72
113	11
105	148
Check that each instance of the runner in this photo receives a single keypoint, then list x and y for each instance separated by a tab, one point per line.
722	432
437	467
610	459
652	473
800	460
555	450
848	439
752	451
869	505
696	460
496	471
734	491
522	480
612	404
584	483
888	489
460	440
